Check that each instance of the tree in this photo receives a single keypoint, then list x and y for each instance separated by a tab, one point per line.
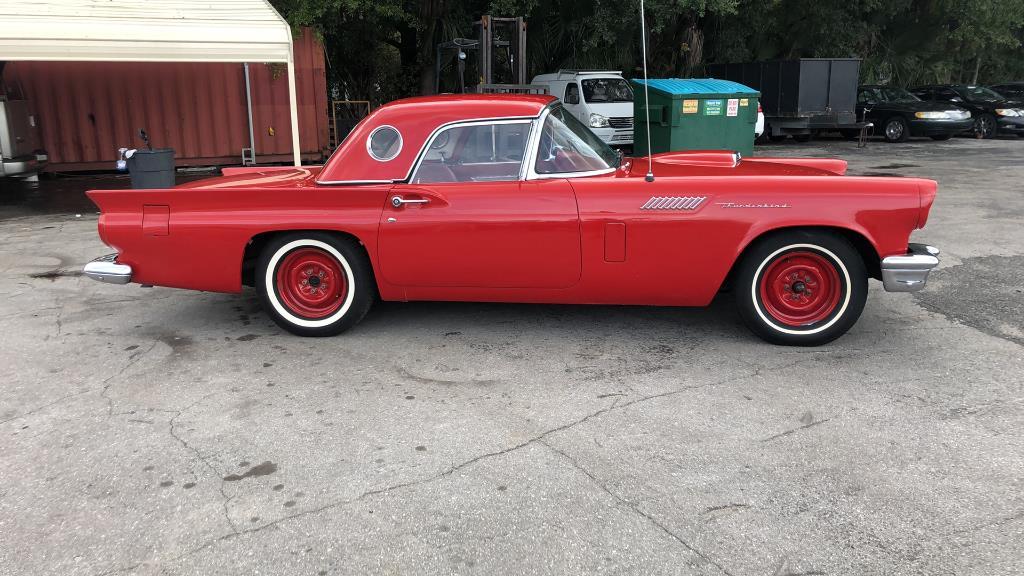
384	49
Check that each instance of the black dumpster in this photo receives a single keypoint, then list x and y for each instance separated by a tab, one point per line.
800	96
152	168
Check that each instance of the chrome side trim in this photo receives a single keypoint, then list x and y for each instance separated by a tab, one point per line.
352	182
909	272
674	203
107	269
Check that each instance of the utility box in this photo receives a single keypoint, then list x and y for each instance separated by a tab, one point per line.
151	169
694	114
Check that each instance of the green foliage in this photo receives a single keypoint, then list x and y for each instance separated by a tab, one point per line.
385	49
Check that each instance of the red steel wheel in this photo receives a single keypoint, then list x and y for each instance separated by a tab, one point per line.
311	283
800	288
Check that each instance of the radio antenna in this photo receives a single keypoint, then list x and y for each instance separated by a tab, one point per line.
647	102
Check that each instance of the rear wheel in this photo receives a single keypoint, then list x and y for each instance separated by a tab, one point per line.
801	288
314	283
896	130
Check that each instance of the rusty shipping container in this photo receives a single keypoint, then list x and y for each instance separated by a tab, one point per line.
87	110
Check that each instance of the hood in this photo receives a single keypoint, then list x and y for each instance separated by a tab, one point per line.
612	109
263	176
725	162
993	104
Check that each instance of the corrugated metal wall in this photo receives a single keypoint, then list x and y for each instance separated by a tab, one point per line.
87	110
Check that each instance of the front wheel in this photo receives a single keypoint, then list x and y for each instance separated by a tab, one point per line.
896	130
801	288
315	283
986	126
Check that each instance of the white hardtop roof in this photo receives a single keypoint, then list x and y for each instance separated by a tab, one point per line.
143	31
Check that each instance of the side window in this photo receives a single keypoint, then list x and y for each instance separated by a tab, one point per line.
945	94
923	94
567	146
864	97
474	153
572	93
384	143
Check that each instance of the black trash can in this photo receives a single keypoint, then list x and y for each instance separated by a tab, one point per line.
152	168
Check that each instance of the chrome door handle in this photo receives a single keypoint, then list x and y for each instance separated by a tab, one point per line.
398	201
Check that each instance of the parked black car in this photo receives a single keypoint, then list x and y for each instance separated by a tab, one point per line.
898	114
992	112
1010	90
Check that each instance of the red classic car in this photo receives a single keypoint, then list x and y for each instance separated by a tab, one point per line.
511	199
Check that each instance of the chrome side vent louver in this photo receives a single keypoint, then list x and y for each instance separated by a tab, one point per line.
674	203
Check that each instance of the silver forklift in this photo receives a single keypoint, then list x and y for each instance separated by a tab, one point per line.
21	152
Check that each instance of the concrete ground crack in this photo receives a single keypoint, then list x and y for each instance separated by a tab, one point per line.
225	499
108	382
637	510
794	430
45	406
617	405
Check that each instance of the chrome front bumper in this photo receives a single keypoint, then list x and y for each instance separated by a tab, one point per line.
106	269
909	272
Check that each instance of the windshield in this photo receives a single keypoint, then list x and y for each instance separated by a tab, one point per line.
885	94
606	90
979	93
566	145
890	94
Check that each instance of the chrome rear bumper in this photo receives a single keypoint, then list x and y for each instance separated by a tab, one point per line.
106	269
909	272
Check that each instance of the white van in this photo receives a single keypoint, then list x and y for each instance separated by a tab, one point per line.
601	99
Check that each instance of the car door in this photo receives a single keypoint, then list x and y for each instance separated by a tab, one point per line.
865	103
572	99
467	219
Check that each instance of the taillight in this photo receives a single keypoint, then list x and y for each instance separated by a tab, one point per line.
759	107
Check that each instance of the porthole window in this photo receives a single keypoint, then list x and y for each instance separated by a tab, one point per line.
384	143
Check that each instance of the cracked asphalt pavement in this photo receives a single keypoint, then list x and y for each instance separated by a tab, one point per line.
158	431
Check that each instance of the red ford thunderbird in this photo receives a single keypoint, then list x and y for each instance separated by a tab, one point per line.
511	199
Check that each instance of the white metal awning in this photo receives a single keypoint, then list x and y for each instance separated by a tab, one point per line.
149	31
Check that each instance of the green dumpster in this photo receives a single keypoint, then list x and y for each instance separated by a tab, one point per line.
695	114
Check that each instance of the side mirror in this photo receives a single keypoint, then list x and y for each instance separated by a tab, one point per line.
956	99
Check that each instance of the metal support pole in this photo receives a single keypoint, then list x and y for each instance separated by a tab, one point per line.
248	106
293	103
521	55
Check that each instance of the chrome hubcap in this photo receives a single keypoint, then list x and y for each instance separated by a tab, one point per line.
894	130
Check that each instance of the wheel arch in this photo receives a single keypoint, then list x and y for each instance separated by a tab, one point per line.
254	247
867	250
